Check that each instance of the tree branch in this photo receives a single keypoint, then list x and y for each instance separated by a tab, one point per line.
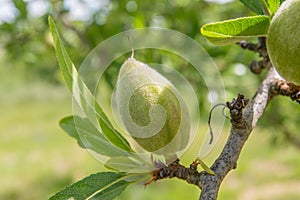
285	88
174	169
242	126
257	66
244	116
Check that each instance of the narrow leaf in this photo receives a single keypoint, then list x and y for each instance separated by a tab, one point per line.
111	133
103	185
129	165
273	5
21	6
82	94
68	125
235	30
89	137
62	56
254	5
205	167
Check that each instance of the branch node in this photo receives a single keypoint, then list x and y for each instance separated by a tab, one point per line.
175	169
256	67
285	88
236	107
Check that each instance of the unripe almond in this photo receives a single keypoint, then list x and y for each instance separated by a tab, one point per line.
151	109
283	40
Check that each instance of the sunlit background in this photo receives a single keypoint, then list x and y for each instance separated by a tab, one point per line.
38	158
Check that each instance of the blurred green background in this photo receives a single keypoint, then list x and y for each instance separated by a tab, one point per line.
38	158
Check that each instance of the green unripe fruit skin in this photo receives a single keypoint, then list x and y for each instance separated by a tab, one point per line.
151	92
143	99
283	42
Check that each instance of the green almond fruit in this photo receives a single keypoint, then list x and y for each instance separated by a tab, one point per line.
283	42
151	109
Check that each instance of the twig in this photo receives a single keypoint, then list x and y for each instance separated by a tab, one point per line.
285	88
174	169
257	66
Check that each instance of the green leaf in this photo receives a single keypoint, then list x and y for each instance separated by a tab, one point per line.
235	30
111	133
129	165
82	95
273	5
22	8
254	5
63	58
90	138
103	185
205	167
68	125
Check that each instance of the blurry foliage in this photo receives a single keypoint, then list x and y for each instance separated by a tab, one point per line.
26	47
